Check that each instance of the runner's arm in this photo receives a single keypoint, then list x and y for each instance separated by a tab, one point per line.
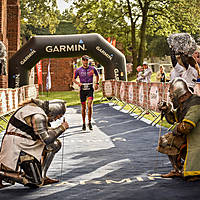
74	79
97	79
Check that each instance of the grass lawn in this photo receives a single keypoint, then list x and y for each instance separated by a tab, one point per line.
71	97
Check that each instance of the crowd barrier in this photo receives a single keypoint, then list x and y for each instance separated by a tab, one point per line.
144	96
11	98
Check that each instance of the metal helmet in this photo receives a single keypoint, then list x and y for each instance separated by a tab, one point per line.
56	107
178	88
52	108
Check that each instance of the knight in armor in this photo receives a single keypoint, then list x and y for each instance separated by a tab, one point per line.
182	145
30	144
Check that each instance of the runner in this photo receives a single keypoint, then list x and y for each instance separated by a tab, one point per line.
85	73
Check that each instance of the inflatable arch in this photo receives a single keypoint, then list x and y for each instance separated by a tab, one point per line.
59	46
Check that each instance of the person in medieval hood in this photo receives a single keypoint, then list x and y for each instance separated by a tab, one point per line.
182	145
30	144
182	47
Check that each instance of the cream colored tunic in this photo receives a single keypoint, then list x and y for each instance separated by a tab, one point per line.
13	145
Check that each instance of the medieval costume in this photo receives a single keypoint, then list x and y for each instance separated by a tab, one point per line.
29	144
183	144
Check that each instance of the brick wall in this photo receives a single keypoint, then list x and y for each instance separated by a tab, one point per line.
3	37
61	73
13	29
9	30
3	21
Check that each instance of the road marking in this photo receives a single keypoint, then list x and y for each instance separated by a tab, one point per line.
119	139
103	121
139	178
126	180
83	182
151	178
116	181
66	183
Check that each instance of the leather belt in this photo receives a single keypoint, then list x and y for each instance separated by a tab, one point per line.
18	134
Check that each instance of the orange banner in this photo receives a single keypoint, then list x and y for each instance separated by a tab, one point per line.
39	72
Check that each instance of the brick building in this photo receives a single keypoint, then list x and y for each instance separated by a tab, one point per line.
61	73
61	69
9	31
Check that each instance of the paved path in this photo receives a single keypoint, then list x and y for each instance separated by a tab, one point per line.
114	161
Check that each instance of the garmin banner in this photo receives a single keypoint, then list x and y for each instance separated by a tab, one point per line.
60	46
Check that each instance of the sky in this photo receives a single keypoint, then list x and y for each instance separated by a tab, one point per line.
62	5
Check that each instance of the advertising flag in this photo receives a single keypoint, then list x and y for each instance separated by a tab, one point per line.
48	80
114	43
39	72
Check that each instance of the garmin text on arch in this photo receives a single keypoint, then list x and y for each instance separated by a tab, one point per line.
27	57
98	48
65	48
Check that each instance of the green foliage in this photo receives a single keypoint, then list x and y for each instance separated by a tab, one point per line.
103	17
38	15
65	28
111	18
174	16
157	46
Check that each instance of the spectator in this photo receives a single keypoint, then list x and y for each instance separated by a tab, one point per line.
140	70
196	56
161	76
147	73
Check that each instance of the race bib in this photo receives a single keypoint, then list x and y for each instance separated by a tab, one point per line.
86	86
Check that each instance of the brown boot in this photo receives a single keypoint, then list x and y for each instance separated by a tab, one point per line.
172	174
48	181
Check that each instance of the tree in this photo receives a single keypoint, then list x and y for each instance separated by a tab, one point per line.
162	18
131	21
38	16
157	46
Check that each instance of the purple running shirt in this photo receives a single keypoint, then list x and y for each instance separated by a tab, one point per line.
86	74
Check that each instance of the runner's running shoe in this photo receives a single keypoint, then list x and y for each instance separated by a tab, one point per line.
84	127
90	126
